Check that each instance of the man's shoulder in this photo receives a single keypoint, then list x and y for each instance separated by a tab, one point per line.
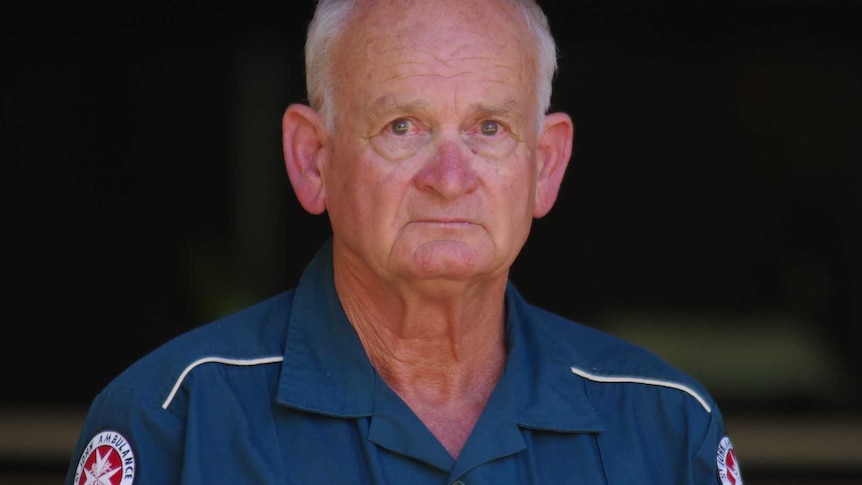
253	334
603	358
590	345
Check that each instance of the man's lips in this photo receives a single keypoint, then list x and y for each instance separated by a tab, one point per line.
447	222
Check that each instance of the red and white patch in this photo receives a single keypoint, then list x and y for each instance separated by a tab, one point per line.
107	459
728	467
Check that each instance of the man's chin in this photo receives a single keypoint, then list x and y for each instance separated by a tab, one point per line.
451	259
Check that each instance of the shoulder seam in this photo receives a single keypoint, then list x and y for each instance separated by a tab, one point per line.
642	380
219	360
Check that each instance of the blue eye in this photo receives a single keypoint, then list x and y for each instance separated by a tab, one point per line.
489	127
400	126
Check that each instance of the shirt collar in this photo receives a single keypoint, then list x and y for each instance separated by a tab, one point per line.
545	393
325	368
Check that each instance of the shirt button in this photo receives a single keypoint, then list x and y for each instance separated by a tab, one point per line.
458	482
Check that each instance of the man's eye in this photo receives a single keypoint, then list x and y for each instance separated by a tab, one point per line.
489	127
400	126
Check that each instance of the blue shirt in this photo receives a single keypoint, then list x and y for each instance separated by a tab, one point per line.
283	393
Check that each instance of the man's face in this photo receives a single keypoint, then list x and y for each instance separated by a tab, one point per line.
431	171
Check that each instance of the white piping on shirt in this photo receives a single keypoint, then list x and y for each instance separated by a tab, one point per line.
641	380
220	360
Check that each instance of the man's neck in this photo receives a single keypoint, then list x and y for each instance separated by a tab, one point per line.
442	356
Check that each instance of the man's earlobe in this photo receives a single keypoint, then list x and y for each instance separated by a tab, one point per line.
303	136
553	153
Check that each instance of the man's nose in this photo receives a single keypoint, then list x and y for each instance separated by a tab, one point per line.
450	170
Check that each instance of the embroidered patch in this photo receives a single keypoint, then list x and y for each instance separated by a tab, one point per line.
728	467
107	459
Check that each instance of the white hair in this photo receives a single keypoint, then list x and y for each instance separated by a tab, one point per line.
330	19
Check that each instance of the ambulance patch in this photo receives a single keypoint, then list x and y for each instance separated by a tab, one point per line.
728	467
107	459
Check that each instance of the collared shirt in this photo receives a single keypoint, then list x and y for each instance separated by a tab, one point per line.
284	393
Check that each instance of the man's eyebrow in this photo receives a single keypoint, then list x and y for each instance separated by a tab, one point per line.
507	109
504	107
389	105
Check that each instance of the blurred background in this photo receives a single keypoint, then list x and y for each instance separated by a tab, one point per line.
711	211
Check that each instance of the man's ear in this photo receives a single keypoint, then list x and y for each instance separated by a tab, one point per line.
554	149
303	136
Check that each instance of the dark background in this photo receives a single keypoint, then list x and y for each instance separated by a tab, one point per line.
711	210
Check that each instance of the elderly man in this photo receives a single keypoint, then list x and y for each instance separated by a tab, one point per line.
405	354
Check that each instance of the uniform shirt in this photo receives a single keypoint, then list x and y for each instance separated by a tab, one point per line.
283	393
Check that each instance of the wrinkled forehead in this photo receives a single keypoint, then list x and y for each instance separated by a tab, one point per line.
450	35
449	54
380	26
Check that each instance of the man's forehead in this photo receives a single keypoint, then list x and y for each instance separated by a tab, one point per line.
384	16
390	58
406	103
407	4
441	30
